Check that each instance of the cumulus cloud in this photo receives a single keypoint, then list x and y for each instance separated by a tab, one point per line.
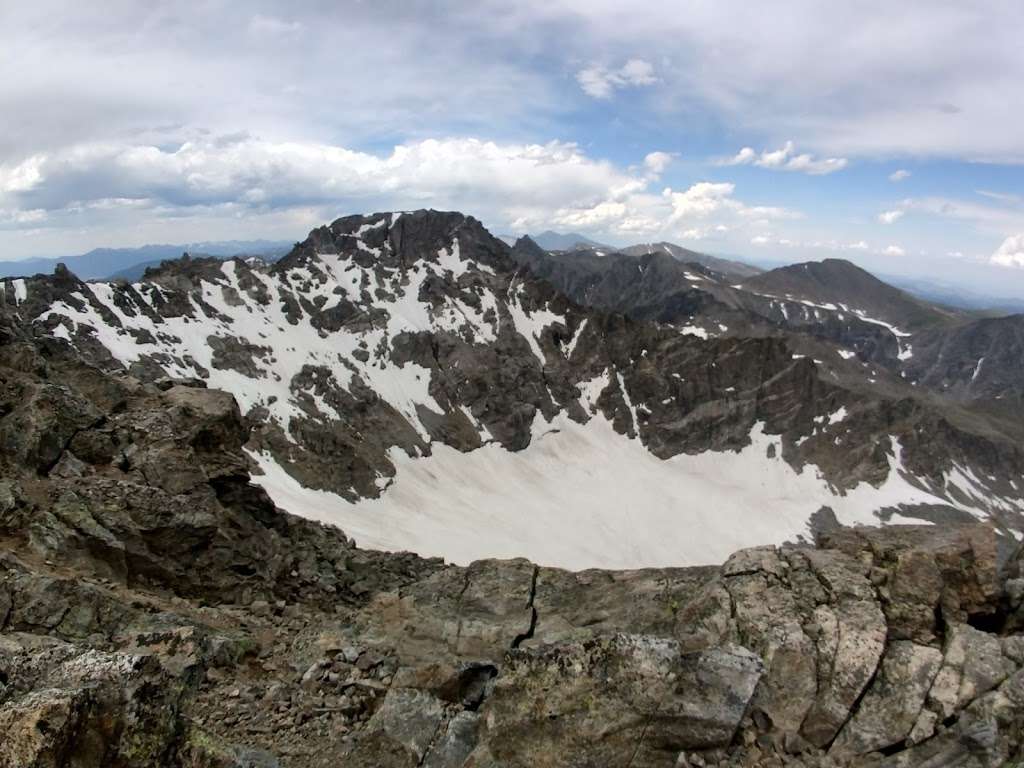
257	172
600	215
706	199
899	175
657	162
524	186
894	250
1010	253
600	82
785	159
890	217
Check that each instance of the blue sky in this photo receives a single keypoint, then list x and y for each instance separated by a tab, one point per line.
885	133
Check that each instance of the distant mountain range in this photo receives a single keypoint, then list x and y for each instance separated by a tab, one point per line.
955	295
725	266
561	241
428	388
928	289
131	263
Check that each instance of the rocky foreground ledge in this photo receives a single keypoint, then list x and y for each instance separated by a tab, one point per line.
158	610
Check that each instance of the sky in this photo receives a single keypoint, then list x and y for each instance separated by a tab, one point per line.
885	133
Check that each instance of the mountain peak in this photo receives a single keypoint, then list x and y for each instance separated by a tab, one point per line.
399	238
843	284
566	241
730	267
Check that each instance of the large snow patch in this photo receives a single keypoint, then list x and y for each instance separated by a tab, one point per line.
583	496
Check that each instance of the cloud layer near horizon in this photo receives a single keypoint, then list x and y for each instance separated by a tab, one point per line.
586	114
530	186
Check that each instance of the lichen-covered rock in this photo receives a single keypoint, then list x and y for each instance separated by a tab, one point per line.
65	706
612	701
973	663
478	612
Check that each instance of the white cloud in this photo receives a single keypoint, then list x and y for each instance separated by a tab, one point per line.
700	200
1006	198
271	27
817	245
745	156
890	217
784	159
894	250
600	215
254	171
898	176
715	199
600	82
1003	218
521	186
1010	253
657	162
500	66
768	75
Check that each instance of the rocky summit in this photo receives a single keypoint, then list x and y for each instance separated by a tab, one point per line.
207	476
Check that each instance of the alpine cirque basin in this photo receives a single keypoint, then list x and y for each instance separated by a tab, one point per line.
425	386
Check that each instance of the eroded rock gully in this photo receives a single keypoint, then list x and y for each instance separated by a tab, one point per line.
157	610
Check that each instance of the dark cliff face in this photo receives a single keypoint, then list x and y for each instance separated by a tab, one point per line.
157	610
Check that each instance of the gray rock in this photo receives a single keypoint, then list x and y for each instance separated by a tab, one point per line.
454	746
410	718
891	707
597	701
973	663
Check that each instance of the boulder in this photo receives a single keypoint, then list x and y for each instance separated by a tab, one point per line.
891	707
618	700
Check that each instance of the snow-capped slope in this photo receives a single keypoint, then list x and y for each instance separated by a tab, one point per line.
583	496
407	380
274	340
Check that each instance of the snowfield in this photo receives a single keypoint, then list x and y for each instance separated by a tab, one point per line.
583	496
